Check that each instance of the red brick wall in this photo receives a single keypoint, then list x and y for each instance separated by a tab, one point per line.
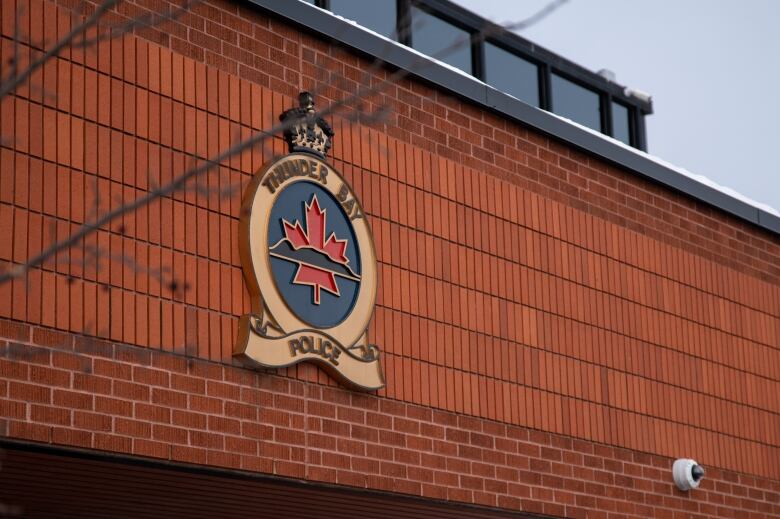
70	390
524	286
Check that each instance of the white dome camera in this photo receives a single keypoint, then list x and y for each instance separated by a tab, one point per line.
687	473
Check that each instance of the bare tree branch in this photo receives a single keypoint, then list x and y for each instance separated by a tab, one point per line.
258	138
9	85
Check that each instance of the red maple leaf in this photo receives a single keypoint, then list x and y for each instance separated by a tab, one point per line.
313	237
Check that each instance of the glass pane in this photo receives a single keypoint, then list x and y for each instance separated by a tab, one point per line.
575	102
511	74
432	35
377	15
620	123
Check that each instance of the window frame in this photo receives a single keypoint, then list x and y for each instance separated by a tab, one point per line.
605	120
538	64
475	50
546	61
631	121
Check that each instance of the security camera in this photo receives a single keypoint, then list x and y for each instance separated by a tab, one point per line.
687	474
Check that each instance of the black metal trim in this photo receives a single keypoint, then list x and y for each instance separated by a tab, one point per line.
631	120
605	112
478	92
641	132
533	52
545	87
604	123
403	20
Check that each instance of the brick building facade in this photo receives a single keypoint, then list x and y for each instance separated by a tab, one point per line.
555	329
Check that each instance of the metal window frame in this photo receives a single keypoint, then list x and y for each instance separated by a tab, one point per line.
541	69
476	51
632	134
547	62
325	25
605	121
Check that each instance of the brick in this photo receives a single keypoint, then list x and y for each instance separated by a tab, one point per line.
207	440
71	361
393	408
289	403
52	338
205	404
92	421
151	449
169	434
113	406
289	436
256	396
188	454
240	445
49	376
206	370
111	369
168	398
113	443
14	351
13	409
152	377
29	392
188	384
131	391
14	330
76	438
91	383
225	425
50	415
257	431
29	431
132	354
241	411
189	419
169	363
135	428
73	399
152	413
93	347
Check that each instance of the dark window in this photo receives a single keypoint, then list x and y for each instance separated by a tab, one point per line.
441	40
511	74
574	102
621	123
377	15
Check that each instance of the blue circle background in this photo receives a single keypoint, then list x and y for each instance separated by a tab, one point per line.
289	206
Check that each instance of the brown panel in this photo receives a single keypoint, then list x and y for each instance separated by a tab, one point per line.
39	482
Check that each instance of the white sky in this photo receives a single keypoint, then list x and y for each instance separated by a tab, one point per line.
712	67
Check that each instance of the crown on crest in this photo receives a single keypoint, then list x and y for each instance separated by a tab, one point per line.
309	133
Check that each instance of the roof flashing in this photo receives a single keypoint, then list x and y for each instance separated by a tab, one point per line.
424	67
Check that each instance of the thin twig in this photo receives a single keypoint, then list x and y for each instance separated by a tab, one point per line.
10	84
257	138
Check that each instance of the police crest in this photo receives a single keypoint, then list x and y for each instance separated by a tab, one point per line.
309	262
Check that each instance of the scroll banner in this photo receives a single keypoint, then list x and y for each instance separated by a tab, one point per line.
264	343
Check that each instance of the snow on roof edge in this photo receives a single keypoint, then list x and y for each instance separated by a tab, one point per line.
701	179
677	169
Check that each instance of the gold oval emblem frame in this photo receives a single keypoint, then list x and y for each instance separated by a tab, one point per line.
273	322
